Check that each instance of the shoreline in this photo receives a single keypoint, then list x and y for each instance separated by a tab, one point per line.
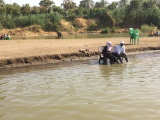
15	53
60	58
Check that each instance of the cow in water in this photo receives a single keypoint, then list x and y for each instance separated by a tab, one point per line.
60	36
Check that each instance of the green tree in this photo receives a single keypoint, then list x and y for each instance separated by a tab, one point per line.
50	9
3	10
2	3
123	3
113	5
101	4
9	9
17	9
15	4
43	10
46	3
35	10
104	3
98	5
86	4
149	4
26	9
79	11
135	4
68	5
58	9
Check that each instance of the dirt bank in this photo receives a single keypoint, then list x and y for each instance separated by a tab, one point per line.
15	52
65	28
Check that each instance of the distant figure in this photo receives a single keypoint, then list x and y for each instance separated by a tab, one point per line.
60	36
5	36
157	33
2	37
66	13
8	36
151	34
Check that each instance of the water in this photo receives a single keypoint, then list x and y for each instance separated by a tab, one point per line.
83	36
83	90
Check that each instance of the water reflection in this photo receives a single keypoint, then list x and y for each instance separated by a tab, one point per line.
83	36
83	90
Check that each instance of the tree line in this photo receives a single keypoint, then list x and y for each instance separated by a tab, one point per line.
134	12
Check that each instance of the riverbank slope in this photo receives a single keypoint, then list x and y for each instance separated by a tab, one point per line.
32	51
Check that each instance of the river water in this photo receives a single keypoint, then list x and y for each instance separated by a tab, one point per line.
83	36
83	90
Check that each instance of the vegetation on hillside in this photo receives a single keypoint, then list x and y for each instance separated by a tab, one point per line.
124	13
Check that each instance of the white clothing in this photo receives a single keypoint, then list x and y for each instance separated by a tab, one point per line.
119	49
122	42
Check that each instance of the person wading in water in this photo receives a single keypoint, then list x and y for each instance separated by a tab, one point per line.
119	51
107	53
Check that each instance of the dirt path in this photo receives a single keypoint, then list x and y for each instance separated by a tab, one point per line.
11	49
25	48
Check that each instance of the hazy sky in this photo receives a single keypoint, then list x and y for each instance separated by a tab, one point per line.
36	2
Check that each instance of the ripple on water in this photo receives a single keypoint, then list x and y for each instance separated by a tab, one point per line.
83	90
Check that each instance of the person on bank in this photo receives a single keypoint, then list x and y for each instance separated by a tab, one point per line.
60	36
107	53
157	33
151	34
119	52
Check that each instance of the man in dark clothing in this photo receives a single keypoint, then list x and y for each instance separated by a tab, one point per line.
60	36
108	54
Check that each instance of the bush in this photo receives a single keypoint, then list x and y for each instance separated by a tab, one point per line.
48	22
1	27
105	30
59	10
92	27
148	28
113	29
76	29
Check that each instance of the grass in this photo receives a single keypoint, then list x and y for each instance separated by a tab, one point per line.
148	28
76	28
113	29
105	30
92	27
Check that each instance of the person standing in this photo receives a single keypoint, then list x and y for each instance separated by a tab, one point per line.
119	51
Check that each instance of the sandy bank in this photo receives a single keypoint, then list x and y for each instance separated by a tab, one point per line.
15	52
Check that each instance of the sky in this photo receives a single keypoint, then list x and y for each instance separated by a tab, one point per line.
36	2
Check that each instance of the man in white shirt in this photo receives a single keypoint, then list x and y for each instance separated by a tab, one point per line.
119	51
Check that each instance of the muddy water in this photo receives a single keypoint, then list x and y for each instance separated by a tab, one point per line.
83	90
81	36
